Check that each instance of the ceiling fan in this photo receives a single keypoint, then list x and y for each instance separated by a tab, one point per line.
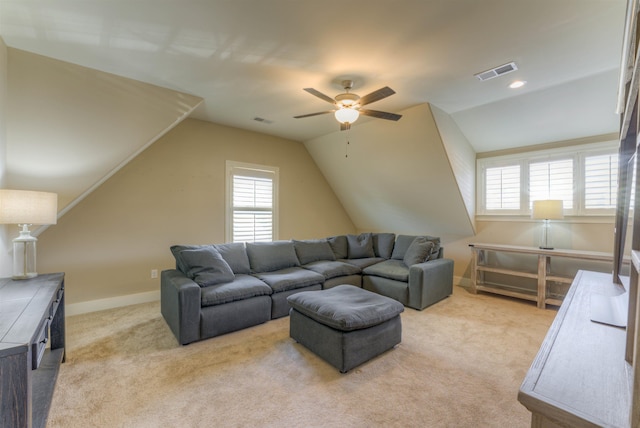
349	105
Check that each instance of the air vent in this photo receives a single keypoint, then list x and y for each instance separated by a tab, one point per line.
497	71
263	120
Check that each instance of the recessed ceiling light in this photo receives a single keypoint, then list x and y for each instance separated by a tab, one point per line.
518	84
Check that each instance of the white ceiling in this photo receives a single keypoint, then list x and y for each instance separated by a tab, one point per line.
251	58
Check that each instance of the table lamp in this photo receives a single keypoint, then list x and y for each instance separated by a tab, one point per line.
547	210
25	208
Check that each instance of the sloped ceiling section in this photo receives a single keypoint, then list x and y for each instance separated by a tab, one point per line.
462	158
69	128
394	176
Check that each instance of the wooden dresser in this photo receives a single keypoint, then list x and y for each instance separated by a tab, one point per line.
32	346
580	377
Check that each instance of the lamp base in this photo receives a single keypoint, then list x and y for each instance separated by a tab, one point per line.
27	276
24	255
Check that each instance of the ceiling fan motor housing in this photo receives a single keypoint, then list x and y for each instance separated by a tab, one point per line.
347	99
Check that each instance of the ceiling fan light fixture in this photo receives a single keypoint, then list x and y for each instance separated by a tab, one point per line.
346	115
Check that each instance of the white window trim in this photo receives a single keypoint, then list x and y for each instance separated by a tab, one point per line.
577	152
256	171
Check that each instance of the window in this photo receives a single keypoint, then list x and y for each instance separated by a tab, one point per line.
584	177
251	202
503	188
552	180
601	181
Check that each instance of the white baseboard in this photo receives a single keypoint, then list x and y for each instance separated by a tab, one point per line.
110	303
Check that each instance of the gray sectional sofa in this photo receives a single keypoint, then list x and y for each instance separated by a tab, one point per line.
220	288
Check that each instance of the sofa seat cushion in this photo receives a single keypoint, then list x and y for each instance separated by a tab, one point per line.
290	278
391	269
332	269
345	307
363	263
242	287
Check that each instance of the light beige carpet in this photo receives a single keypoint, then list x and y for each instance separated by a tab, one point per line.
460	364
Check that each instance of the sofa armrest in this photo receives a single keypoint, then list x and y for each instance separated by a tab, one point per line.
430	282
180	305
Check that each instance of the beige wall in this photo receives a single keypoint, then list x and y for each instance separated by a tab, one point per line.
174	192
5	243
569	234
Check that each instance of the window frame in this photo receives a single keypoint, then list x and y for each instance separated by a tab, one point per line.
576	152
250	170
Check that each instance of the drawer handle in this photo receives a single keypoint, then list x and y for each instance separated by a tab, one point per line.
44	341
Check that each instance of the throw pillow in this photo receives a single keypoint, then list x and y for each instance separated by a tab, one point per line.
360	246
339	246
404	241
236	256
206	266
419	251
177	249
270	256
313	250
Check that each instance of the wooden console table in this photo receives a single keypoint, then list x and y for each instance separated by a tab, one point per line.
580	377
31	317
542	275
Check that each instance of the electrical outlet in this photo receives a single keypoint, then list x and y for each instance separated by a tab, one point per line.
154	273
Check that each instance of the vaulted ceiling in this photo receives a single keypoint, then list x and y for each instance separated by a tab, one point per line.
251	58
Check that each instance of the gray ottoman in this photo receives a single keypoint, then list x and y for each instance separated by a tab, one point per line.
345	325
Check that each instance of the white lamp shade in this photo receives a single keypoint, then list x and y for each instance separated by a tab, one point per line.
28	207
550	209
347	115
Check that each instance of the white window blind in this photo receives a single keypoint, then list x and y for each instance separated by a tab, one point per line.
552	180
502	188
252	203
252	209
601	181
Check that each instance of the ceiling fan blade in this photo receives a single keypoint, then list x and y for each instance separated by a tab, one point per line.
320	95
376	95
313	114
380	114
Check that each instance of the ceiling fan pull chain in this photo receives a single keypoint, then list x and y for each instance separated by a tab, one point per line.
346	146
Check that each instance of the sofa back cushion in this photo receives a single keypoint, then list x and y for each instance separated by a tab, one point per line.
270	256
235	255
404	241
360	246
313	250
205	266
339	246
383	244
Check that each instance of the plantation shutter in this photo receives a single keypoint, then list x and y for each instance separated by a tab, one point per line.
552	180
502	188
601	181
252	208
